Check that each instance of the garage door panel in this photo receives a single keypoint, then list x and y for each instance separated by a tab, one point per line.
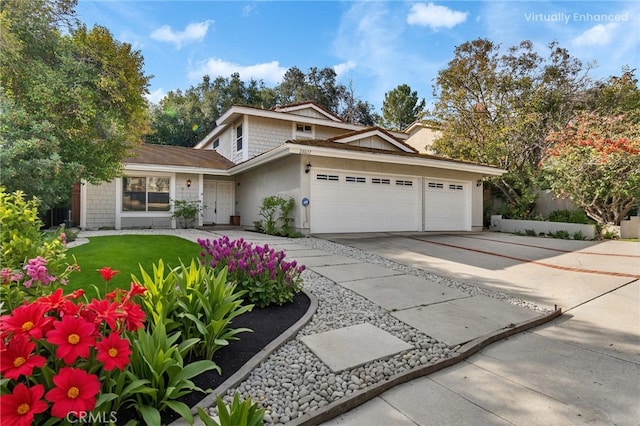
363	203
447	205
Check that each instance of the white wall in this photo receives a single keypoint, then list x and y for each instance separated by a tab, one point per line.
278	177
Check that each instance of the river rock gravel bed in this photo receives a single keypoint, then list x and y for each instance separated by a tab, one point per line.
293	382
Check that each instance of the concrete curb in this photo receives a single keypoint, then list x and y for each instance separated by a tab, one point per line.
246	369
343	405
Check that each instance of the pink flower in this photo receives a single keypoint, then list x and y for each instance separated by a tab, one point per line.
37	270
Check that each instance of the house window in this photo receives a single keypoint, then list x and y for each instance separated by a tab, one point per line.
401	182
304	128
436	185
456	187
239	138
145	194
216	143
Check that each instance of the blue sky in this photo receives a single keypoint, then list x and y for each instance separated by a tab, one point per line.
374	46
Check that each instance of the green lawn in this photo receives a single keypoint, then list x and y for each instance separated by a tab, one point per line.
125	253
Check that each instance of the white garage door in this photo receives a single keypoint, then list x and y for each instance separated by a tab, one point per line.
356	202
447	205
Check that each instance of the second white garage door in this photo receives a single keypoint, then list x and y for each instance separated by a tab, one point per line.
356	202
447	205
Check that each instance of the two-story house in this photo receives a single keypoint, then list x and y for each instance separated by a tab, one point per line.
343	177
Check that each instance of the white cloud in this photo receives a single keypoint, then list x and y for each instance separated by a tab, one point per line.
249	9
269	72
194	32
371	35
599	35
156	96
435	17
344	67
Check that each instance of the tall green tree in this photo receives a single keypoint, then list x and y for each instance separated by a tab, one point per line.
401	107
498	108
183	119
72	98
318	85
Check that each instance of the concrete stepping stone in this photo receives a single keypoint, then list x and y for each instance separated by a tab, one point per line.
459	321
403	291
355	271
353	346
315	261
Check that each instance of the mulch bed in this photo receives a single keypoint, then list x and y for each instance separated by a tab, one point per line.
267	324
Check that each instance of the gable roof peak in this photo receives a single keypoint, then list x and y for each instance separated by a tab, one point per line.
306	105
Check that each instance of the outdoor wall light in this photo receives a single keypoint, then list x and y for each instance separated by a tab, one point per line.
479	182
188	183
307	168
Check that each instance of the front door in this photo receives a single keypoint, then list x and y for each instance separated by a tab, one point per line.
218	202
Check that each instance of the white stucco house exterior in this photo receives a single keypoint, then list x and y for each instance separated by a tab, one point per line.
343	177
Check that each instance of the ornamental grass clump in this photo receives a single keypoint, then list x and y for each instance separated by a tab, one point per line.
260	270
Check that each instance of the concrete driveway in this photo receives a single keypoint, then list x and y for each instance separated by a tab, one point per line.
583	368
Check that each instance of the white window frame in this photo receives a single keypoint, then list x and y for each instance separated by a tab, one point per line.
304	134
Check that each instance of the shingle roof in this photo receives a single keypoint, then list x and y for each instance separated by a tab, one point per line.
169	155
347	147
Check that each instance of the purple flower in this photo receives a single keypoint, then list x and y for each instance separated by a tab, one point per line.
37	270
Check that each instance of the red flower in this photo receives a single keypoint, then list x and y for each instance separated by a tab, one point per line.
75	392
113	352
19	408
135	290
28	319
73	336
108	273
18	359
134	316
58	301
105	311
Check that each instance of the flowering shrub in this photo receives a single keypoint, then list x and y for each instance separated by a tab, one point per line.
14	289
71	353
260	270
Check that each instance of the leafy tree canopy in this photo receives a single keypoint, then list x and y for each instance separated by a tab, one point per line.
498	107
184	118
401	107
72	99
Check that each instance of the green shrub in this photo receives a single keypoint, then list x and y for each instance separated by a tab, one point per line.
569	216
260	270
578	235
561	234
195	301
24	247
276	210
530	232
20	236
187	212
237	414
